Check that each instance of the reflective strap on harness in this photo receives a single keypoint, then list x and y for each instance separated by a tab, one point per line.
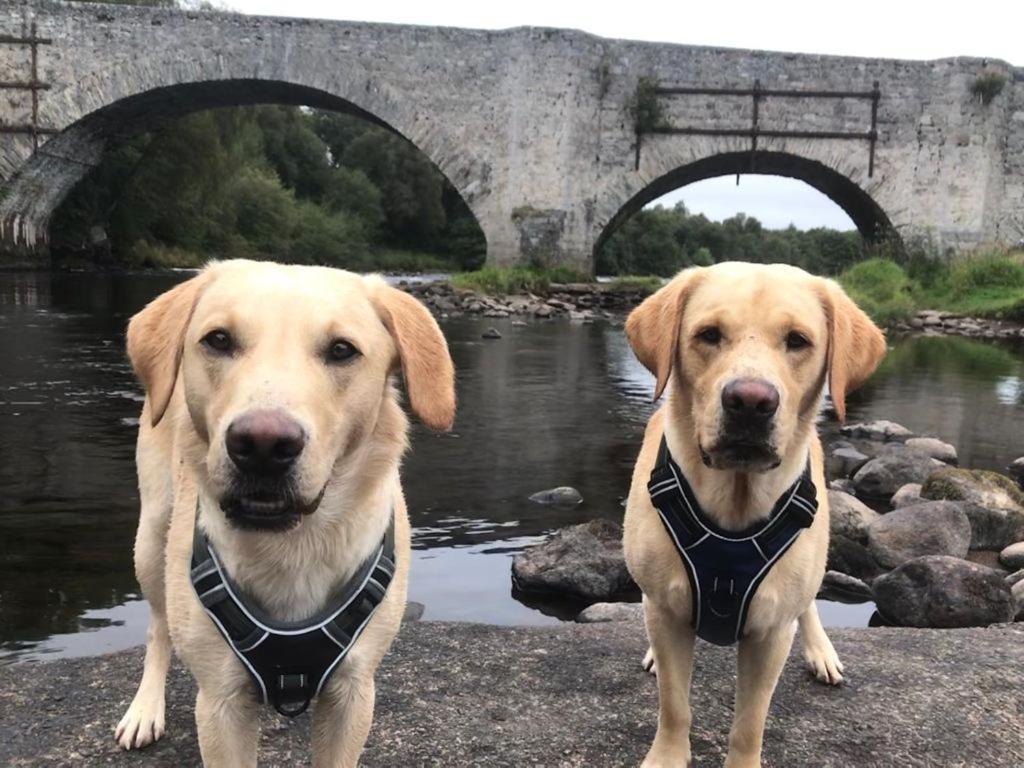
291	661
725	568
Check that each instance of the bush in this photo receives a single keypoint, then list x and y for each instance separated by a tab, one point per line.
881	288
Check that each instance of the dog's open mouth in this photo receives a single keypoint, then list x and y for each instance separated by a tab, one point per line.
277	509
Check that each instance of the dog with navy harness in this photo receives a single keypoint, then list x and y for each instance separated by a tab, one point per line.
273	540
726	526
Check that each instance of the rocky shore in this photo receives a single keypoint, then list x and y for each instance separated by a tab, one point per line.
469	695
587	302
584	302
930	543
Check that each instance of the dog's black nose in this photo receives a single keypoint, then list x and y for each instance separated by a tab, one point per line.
264	442
750	398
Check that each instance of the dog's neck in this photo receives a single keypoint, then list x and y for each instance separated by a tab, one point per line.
292	575
733	500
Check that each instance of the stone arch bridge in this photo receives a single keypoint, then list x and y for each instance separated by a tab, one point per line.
536	128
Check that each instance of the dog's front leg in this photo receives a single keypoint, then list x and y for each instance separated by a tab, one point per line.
759	664
229	729
342	719
672	642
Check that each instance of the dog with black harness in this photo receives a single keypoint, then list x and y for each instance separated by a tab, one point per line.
273	541
726	526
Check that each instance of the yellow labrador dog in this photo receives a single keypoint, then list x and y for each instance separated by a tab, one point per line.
273	542
726	527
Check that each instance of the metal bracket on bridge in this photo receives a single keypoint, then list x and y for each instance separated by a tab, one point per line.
33	84
758	94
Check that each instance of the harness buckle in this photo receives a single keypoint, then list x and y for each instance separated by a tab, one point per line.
294	693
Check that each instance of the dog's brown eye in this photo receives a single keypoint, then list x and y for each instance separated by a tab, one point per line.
219	341
340	351
711	335
796	341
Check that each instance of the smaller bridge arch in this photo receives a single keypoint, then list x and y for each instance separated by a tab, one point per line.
871	221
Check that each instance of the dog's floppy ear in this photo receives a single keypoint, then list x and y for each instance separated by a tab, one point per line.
423	352
156	340
653	327
855	345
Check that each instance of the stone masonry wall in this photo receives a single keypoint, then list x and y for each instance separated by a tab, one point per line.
532	126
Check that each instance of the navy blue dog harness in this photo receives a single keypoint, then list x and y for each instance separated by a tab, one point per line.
726	567
289	662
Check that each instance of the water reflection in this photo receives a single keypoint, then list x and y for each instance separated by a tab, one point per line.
548	404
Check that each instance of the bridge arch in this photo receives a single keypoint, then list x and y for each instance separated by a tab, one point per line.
144	95
871	220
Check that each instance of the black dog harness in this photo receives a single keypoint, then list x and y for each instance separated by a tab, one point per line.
290	661
726	567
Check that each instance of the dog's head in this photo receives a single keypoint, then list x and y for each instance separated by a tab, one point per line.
747	349
284	371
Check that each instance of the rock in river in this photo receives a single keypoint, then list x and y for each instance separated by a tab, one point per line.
844	461
932	528
852	558
891	469
937	449
582	561
906	496
849	516
989	489
944	592
1013	556
1016	470
886	431
563	494
843	588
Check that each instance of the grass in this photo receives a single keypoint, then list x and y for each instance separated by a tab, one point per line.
645	284
508	280
984	285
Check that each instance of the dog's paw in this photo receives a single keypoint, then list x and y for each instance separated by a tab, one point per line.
825	665
141	725
648	662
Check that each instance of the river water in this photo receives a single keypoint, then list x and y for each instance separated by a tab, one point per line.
549	404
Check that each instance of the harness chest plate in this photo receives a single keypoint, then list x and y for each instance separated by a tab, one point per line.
289	662
725	568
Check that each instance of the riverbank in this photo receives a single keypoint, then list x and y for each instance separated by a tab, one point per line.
467	694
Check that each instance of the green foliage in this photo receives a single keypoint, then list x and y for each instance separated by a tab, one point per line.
881	288
267	183
645	106
509	280
987	86
661	241
641	284
981	285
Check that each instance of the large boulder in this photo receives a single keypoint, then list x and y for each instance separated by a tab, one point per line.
582	561
932	528
937	449
852	558
885	431
906	496
993	502
944	592
979	486
891	469
849	517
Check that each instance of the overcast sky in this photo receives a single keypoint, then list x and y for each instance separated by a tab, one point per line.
894	29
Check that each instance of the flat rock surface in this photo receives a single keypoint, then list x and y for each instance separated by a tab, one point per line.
574	695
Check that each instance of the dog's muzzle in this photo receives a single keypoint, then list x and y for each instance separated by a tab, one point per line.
748	416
